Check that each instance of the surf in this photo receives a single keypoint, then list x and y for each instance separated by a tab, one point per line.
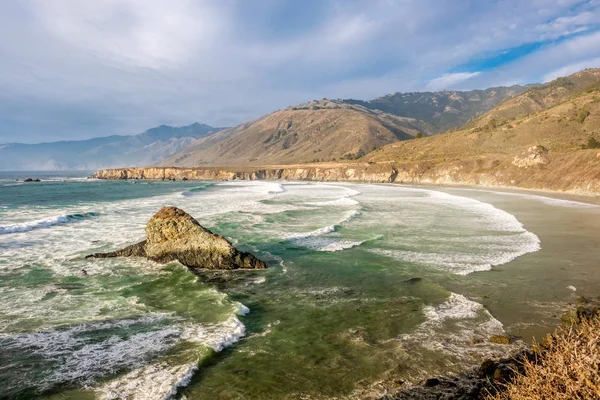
46	222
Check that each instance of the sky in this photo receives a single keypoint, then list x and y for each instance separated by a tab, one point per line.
76	69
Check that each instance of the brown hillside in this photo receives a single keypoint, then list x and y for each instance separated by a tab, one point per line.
558	128
539	98
436	112
317	131
556	148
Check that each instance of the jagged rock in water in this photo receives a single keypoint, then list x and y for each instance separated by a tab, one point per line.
173	235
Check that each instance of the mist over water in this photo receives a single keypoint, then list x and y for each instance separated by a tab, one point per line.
338	309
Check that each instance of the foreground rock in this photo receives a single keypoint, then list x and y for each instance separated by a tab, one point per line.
173	235
478	384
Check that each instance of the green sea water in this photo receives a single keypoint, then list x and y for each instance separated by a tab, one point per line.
369	287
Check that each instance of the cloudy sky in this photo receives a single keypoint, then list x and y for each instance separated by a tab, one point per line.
74	69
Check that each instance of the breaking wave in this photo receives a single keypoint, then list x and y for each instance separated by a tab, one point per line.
45	222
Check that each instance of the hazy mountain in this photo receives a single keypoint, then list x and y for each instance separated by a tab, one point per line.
146	148
322	130
437	112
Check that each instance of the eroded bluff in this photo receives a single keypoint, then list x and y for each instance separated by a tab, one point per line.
174	235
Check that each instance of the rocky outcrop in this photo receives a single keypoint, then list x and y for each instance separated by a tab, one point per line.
173	235
534	156
478	384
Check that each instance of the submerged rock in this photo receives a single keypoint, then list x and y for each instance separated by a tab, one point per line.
173	235
31	180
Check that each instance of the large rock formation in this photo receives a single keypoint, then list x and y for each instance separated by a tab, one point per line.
173	235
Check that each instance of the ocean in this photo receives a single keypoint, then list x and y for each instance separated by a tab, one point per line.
369	288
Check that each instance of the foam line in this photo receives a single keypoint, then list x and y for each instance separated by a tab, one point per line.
454	326
45	222
318	232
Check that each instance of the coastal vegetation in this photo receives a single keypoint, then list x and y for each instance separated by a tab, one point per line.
565	366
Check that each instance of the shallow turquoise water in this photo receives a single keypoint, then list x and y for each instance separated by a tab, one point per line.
336	314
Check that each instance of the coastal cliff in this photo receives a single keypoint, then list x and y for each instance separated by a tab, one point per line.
573	172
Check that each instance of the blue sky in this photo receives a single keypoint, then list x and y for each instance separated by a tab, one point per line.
74	69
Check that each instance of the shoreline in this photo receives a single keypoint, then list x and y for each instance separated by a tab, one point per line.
335	173
493	378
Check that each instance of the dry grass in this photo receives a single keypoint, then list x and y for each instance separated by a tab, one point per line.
315	133
567	367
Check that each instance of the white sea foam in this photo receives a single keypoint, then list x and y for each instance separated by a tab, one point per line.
73	354
317	232
330	244
161	381
468	262
454	326
44	222
76	356
456	307
278	189
492	217
240	309
217	336
59	250
158	381
544	199
259	280
571	287
341	202
470	236
69	179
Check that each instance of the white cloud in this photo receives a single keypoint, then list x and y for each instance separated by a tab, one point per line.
145	33
572	68
550	62
81	68
449	81
564	26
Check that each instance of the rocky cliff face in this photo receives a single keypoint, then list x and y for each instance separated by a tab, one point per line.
173	235
575	172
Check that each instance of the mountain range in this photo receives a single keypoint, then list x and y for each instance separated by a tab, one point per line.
146	148
337	130
392	128
437	112
316	131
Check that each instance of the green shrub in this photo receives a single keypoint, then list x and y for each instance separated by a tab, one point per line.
352	156
583	114
565	366
593	143
492	124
